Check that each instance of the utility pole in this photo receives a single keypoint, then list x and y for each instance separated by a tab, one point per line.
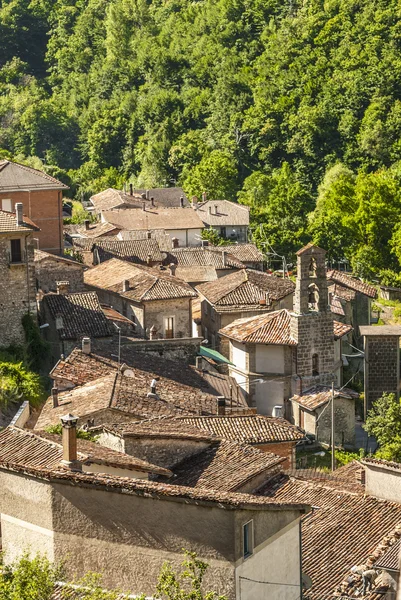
333	445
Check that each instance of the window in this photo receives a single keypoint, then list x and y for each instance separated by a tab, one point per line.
169	327
313	297
312	267
6	205
247	534
315	365
16	253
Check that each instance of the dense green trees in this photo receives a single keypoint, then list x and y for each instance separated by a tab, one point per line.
281	103
384	423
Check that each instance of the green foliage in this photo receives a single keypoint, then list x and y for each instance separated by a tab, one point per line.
28	579
36	349
213	237
17	383
79	215
384	423
90	588
81	433
186	585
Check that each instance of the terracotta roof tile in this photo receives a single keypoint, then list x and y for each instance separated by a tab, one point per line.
145	283
249	429
136	251
168	197
336	307
159	235
226	466
8	223
268	328
309	246
222	213
391	559
96	230
245	288
40	255
205	257
154	218
341	291
321	394
81	313
159	427
378	462
340	329
344	530
352	282
111	198
245	252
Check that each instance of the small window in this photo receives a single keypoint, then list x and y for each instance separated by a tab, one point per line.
6	205
16	253
169	327
247	532
312	267
315	365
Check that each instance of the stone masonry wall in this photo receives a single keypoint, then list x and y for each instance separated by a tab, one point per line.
17	290
48	271
314	333
382	368
344	420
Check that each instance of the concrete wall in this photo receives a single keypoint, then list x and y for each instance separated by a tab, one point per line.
44	207
269	359
17	289
382	483
49	270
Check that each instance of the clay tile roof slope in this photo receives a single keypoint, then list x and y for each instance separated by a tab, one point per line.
245	252
97	230
111	198
249	429
223	213
14	177
269	328
81	313
340	329
154	218
136	251
321	394
205	257
352	282
226	466
344	529
160	427
341	292
391	559
8	223
145	283
167	197
80	368
162	238
309	246
336	307
245	287
378	462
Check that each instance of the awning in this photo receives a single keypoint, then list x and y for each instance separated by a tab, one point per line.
209	353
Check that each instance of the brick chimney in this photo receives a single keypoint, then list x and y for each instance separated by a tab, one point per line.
221	405
63	287
86	223
19	213
152	201
182	202
55	396
70	456
126	285
149	260
172	268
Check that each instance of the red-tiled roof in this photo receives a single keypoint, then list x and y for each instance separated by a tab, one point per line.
336	307
340	329
268	328
321	394
341	291
154	218
205	257
136	251
385	464
245	252
352	282
8	223
390	561
159	427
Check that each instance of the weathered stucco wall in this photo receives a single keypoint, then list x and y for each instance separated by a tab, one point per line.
383	483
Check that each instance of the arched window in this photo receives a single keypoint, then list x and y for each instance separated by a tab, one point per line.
312	267
313	297
315	364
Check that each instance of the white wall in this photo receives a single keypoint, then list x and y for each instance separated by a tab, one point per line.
186	237
383	483
238	355
276	561
269	359
267	395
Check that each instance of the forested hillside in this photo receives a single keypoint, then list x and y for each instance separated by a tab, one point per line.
281	104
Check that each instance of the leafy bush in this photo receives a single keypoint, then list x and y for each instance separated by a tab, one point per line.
17	383
81	433
36	348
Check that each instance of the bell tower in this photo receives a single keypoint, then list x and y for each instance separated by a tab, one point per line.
312	319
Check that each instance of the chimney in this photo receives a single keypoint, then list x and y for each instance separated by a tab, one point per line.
131	189
210	210
262	301
198	363
148	235
86	223
224	257
149	260
70	457
36	243
19	213
55	396
194	201
182	202
174	242
172	268
216	209
126	285
143	196
152	332
221	405
203	196
86	345
63	287
147	194
152	201
143	205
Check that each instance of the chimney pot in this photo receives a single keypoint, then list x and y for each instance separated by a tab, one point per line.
174	242
149	235
19	213
86	345
203	196
131	189
86	223
224	257
70	456
55	396
210	210
149	260
143	206
182	202
221	405
172	268
198	363
126	285
143	196
152	201
216	209
194	201
63	287
147	194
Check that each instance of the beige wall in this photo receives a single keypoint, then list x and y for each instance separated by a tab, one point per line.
383	483
179	308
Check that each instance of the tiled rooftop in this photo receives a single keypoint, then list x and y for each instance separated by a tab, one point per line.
344	530
111	198
154	218
245	289
166	196
341	291
40	255
352	283
385	464
226	466
159	235
81	313
145	283
8	223
160	427
43	450
321	394
336	307
270	328
136	251
249	429
245	252
96	230
205	257
391	558
222	213
14	176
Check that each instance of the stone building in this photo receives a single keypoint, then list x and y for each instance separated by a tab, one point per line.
41	197
156	301
50	268
17	274
241	294
229	219
382	362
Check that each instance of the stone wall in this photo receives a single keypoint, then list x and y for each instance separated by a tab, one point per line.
314	334
382	370
49	270
179	308
17	289
344	419
284	449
